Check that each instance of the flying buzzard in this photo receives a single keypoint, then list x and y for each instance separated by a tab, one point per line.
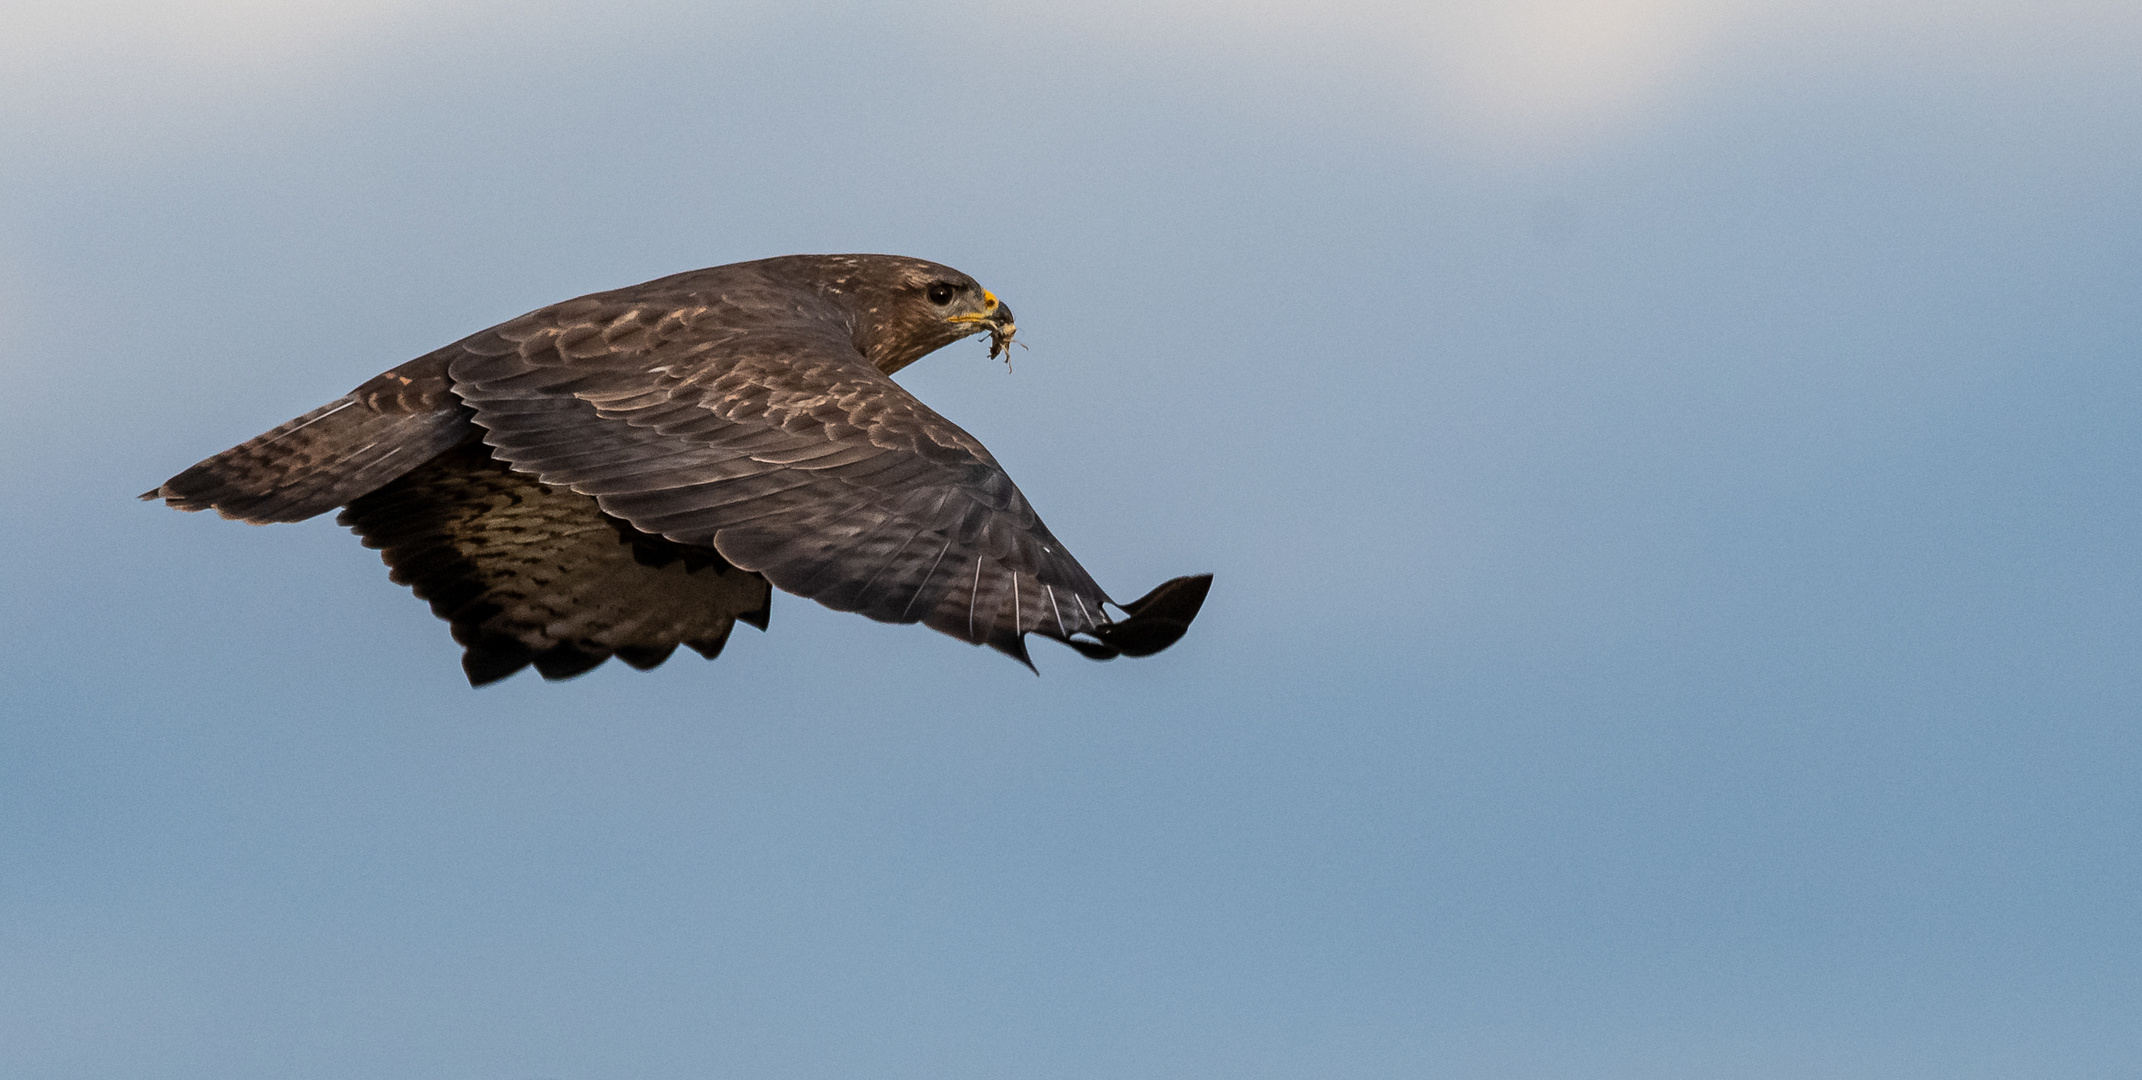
633	470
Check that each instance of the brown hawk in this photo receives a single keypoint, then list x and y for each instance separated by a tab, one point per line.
633	470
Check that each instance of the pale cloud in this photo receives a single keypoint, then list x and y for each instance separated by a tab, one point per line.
1539	76
1539	67
81	41
1525	77
1523	70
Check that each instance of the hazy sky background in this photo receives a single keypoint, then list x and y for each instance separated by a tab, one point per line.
1670	469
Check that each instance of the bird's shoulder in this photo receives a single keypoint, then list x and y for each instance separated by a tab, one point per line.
712	316
728	343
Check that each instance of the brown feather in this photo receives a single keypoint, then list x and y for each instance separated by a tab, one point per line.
526	573
323	459
651	458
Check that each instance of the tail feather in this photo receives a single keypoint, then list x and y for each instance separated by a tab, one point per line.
346	448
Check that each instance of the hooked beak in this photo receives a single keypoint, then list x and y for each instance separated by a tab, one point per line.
995	317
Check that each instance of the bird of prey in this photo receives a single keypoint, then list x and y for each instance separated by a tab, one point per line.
634	470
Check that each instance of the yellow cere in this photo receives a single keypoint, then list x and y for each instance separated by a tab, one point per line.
989	304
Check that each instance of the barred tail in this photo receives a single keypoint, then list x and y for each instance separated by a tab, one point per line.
331	455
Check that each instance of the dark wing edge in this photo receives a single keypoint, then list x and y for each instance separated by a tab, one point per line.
331	455
795	458
1159	618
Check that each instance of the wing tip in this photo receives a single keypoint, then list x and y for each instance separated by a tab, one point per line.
488	660
494	657
645	657
1014	646
567	660
177	497
1157	620
758	618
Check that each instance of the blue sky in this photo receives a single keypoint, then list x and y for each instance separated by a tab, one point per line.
1669	469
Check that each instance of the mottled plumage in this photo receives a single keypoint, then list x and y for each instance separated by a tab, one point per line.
626	472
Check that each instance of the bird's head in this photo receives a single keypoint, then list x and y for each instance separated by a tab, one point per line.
952	305
907	308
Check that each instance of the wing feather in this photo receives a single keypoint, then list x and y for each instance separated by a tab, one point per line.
788	452
530	574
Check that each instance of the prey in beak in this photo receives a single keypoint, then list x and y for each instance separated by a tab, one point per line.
995	317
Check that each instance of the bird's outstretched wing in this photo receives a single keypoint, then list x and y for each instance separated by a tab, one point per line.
780	446
526	573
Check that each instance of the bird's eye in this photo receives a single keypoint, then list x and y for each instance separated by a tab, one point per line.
941	293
